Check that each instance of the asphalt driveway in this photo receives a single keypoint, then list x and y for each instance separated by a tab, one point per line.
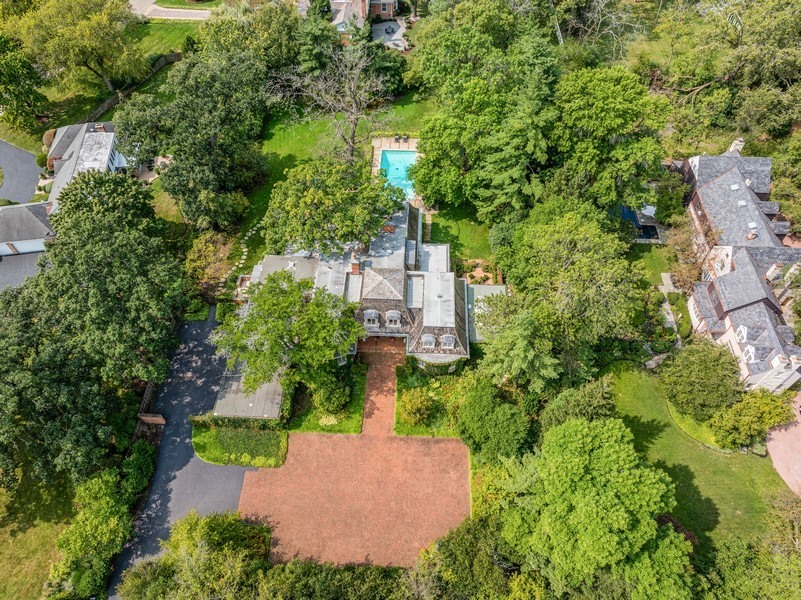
182	481
20	173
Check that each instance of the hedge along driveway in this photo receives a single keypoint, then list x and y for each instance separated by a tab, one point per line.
183	481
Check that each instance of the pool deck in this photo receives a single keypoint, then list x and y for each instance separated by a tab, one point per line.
389	143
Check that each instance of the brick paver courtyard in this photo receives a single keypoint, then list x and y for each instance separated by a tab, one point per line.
370	498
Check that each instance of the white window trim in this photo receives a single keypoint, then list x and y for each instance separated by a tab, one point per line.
448	342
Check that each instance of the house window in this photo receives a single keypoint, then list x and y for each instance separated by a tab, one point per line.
393	318
429	341
742	332
713	296
748	354
705	274
371	318
447	341
383	7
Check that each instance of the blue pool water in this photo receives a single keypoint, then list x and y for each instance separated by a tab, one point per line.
396	163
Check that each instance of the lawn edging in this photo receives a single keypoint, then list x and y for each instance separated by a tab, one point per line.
687	426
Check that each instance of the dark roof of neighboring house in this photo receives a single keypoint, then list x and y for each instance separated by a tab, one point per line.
25	222
733	213
744	285
17	268
755	168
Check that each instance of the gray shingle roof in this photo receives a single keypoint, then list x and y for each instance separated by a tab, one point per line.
744	285
25	222
17	268
757	169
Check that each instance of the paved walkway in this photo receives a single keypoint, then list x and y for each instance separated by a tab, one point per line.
182	481
372	498
20	173
148	8
784	446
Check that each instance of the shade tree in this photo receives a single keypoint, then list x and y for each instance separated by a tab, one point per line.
20	98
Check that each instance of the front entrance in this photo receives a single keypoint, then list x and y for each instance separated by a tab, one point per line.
391	345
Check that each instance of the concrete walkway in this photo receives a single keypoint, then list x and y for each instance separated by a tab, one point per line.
148	8
20	173
784	446
182	481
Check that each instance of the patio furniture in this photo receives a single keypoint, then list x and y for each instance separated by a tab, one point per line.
397	138
405	138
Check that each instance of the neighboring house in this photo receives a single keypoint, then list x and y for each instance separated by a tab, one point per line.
79	148
24	228
747	271
356	12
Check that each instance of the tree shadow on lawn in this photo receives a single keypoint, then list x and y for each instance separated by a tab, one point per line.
645	432
694	511
34	502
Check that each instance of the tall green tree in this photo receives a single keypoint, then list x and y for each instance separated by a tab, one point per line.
209	127
289	324
701	379
82	34
747	422
325	204
20	98
588	503
607	135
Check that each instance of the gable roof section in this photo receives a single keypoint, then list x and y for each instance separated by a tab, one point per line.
25	222
744	285
755	168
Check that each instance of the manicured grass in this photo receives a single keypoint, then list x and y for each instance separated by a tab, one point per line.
459	227
443	388
160	36
247	447
155	86
408	113
696	430
198	4
350	421
719	495
655	260
30	521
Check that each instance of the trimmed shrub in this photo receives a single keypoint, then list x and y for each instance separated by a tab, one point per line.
197	310
673	297
137	468
416	405
41	160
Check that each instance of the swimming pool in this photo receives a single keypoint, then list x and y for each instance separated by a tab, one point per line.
396	163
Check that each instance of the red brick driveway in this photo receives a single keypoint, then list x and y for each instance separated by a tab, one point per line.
369	498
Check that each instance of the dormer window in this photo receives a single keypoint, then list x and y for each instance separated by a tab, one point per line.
393	318
742	333
448	342
429	341
748	354
371	318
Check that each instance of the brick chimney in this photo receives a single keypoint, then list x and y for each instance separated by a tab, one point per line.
355	264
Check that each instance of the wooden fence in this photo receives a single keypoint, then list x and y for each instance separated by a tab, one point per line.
110	103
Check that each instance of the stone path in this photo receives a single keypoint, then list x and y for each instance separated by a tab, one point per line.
148	8
784	446
373	498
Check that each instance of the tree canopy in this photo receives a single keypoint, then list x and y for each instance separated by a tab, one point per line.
20	97
588	502
325	204
289	324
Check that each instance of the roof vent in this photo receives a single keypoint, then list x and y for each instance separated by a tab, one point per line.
742	203
734	187
748	181
752	225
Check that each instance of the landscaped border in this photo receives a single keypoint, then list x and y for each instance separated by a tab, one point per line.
245	446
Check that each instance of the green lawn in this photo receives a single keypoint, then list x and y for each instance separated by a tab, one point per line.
718	494
459	227
349	422
198	4
440	423
247	447
71	103
655	260
160	36
30	522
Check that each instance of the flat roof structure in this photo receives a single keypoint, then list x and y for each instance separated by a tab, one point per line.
233	401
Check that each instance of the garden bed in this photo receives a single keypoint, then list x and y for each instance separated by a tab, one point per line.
309	419
243	446
442	418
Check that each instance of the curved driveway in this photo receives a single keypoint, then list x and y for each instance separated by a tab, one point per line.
20	173
182	481
148	8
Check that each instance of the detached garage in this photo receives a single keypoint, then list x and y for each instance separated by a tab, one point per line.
24	228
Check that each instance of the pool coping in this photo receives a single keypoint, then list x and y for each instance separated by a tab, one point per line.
388	143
